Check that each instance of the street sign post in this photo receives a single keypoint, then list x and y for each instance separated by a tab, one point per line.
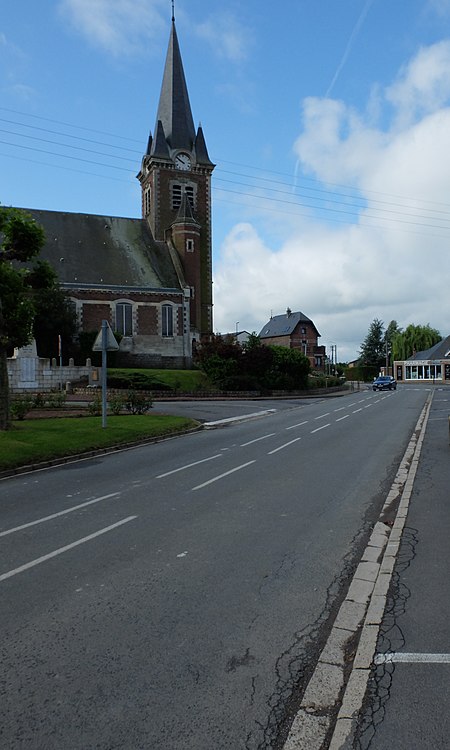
105	342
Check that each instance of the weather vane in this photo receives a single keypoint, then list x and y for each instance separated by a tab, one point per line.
173	10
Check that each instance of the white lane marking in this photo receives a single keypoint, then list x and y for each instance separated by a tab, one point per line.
352	404
285	445
357	410
60	551
406	658
256	440
320	428
188	466
367	406
60	513
342	408
341	418
323	415
221	476
300	424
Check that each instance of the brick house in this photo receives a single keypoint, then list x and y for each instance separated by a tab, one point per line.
296	331
150	278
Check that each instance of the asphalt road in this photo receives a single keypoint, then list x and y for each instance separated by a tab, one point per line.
408	698
177	595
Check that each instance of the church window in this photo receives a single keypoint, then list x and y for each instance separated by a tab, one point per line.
167	320
124	318
190	245
177	192
147	200
190	194
176	196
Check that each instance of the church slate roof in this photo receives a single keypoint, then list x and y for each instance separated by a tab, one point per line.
441	350
107	251
174	109
284	325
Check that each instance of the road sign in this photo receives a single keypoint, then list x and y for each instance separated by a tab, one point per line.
111	343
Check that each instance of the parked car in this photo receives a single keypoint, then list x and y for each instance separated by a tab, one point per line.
384	383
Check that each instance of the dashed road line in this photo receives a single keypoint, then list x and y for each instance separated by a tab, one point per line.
285	445
256	440
56	515
188	466
221	476
324	426
61	550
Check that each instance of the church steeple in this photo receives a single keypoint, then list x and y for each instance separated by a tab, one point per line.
175	179
174	109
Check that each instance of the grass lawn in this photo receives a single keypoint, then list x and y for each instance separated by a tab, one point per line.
37	440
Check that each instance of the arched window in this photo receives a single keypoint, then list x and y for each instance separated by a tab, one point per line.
124	318
167	320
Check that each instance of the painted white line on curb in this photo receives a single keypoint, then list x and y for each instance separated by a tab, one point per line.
56	515
405	658
61	550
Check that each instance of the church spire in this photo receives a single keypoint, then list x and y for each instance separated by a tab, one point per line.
174	109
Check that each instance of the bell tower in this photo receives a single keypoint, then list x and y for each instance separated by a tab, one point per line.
175	178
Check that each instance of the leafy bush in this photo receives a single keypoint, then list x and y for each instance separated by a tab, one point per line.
95	406
137	403
116	404
56	400
21	406
138	381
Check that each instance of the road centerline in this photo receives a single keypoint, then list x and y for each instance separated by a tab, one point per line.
66	548
256	440
299	424
56	515
188	466
285	445
221	476
320	428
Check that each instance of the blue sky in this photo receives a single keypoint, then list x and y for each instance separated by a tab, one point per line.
328	120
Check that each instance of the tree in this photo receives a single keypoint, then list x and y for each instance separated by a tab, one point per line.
373	348
54	313
415	338
21	240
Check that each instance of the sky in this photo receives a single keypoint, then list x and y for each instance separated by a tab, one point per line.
328	120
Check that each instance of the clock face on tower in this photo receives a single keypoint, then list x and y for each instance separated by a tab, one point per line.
182	161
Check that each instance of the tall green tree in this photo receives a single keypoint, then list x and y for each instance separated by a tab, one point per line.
55	315
415	338
373	348
21	240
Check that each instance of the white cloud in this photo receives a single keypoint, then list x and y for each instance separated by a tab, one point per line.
393	261
423	85
120	27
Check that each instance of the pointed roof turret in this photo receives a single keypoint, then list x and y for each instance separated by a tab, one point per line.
159	146
185	215
201	152
174	109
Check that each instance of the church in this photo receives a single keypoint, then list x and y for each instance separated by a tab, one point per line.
150	278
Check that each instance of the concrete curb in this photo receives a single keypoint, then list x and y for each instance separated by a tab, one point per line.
360	614
234	420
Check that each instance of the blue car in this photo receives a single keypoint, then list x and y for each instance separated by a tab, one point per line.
384	383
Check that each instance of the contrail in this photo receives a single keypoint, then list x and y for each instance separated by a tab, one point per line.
349	46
